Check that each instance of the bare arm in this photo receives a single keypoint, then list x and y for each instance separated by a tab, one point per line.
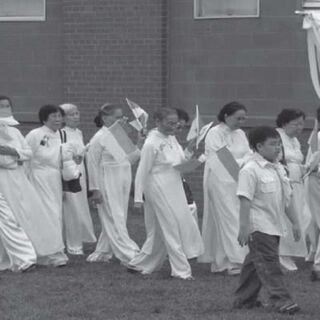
292	216
244	230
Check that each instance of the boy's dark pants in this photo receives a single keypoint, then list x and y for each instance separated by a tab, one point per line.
262	268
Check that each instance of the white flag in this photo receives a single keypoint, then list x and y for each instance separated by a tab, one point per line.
195	126
141	116
198	130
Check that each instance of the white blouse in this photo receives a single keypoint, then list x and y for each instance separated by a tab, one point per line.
159	153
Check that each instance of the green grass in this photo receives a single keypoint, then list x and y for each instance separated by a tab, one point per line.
101	291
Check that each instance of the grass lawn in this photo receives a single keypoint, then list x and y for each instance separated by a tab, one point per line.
103	291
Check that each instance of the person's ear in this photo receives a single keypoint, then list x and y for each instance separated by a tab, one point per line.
258	146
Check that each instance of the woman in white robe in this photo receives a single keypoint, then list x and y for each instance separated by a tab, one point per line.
290	123
76	213
45	174
109	171
221	205
170	226
313	199
16	250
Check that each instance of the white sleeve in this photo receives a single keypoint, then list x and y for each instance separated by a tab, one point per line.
248	152
24	151
247	184
33	140
148	154
93	162
214	141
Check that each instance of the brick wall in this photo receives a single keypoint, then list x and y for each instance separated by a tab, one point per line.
31	62
114	49
261	62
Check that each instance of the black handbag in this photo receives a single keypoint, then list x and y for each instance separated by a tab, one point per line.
73	185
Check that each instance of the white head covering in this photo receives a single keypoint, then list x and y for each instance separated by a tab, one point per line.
67	107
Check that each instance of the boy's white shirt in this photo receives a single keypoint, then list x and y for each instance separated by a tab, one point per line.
266	185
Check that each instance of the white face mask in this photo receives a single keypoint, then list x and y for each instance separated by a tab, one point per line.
8	121
6	117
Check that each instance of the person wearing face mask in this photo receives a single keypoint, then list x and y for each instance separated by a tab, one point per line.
17	253
171	229
221	205
45	173
109	170
29	211
290	124
76	213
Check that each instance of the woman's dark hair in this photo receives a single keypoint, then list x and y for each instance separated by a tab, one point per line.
106	109
162	113
48	109
3	97
287	115
182	115
98	121
260	135
229	109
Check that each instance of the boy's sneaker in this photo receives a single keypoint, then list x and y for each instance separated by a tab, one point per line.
289	308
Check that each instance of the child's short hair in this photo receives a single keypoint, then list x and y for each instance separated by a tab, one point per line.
260	135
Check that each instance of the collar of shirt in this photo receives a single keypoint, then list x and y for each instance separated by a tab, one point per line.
285	183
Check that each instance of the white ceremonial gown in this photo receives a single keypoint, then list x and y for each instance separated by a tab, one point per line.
171	229
110	172
313	199
45	175
220	225
23	199
16	250
294	159
76	213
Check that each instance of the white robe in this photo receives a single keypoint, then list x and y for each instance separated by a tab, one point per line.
16	250
45	175
76	212
220	225
23	199
170	226
110	172
313	199
294	159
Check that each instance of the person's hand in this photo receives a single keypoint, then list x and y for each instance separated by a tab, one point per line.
123	121
8	151
192	144
296	232
138	207
141	139
96	198
244	234
77	159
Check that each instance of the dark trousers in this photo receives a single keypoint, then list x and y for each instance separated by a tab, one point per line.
261	267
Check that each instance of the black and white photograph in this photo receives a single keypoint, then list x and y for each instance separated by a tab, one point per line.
159	159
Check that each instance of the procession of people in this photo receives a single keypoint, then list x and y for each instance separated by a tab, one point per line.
260	196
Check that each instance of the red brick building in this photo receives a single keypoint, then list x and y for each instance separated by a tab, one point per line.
155	53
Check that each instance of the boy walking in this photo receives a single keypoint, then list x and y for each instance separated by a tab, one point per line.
264	193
